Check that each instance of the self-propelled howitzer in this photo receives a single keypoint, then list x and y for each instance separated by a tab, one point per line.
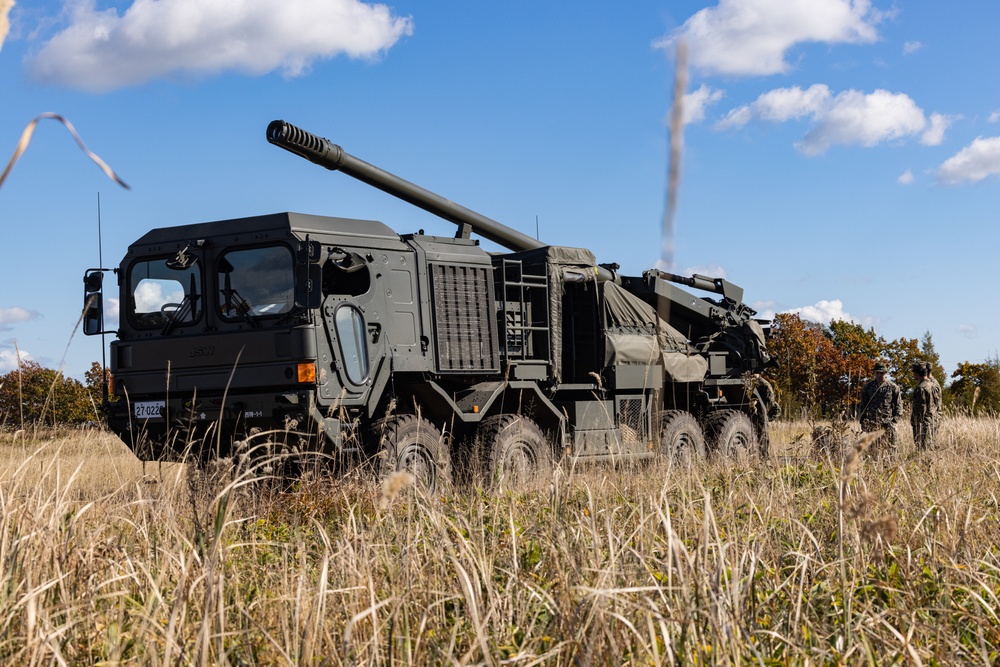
343	338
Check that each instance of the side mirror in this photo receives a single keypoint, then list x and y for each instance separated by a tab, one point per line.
93	315
93	302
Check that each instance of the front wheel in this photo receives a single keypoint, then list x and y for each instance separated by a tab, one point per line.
413	444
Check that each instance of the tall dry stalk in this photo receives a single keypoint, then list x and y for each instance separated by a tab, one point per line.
29	131
20	383
5	7
676	150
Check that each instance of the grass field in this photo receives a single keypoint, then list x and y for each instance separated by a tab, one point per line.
800	559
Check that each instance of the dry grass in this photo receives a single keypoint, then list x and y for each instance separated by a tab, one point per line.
796	560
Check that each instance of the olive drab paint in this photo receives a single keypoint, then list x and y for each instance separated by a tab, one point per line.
321	333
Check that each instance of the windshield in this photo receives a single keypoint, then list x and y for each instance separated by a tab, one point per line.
162	293
256	282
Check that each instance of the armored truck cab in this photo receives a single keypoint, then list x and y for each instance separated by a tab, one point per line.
343	337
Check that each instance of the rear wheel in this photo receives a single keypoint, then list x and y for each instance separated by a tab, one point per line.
408	443
681	438
732	434
518	452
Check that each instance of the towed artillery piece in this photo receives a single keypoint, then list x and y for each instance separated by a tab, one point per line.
343	337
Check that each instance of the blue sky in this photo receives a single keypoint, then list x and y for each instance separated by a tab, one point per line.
841	159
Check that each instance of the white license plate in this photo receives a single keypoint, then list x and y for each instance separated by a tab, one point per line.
148	409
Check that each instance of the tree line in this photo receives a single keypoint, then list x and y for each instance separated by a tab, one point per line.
820	372
822	368
33	395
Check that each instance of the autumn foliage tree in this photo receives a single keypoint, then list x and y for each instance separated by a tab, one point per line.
860	349
822	368
810	367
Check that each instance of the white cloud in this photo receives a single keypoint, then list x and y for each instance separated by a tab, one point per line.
8	359
697	101
737	117
752	37
906	177
781	104
765	309
856	118
825	312
101	50
934	134
973	163
994	117
968	330
9	316
850	117
710	270
912	47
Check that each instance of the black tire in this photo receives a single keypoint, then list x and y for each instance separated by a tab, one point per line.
518	452
682	441
413	444
732	434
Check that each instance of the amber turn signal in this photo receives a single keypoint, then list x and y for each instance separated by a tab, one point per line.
307	372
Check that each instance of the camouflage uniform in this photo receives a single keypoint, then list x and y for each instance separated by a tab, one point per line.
881	408
926	415
769	406
769	398
937	385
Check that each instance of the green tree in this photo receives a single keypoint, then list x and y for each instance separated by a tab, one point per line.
97	379
901	354
853	339
33	395
976	387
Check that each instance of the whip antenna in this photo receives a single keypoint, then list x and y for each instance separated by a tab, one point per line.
104	347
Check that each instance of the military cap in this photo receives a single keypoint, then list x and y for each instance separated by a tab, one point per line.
880	367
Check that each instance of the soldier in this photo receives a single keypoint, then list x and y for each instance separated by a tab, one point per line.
881	407
926	415
768	396
930	376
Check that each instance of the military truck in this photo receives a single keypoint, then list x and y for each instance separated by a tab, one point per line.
341	336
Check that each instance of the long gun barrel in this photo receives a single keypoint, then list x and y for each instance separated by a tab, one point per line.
333	157
718	285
